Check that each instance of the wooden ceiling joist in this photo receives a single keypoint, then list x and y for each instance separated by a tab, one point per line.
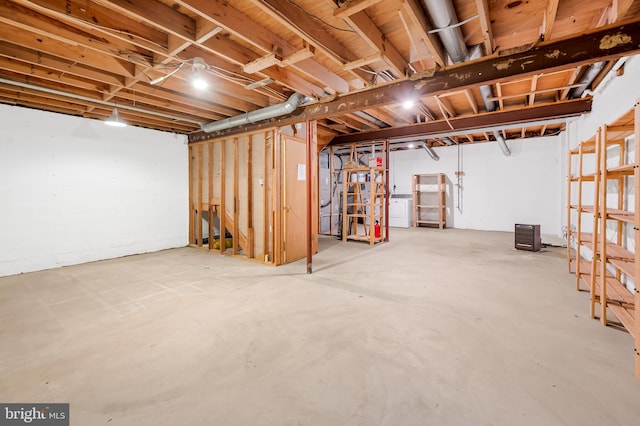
608	43
558	110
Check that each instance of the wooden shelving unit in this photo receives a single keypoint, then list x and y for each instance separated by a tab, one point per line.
614	268
364	197
429	200
585	175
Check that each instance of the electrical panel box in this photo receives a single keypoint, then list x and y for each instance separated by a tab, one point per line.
528	237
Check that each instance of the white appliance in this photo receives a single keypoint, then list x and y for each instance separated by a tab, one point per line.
401	211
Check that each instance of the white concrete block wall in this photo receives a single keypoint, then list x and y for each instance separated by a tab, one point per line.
73	190
497	191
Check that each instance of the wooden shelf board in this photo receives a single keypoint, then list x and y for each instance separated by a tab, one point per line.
621	215
583	236
614	251
365	238
616	292
585	268
626	267
625	316
624	170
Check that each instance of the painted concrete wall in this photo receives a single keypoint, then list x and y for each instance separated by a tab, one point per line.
73	190
496	191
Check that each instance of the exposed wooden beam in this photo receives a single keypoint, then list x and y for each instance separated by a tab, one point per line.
570	82
61	66
485	25
407	30
353	7
534	85
304	26
499	98
607	43
62	41
619	9
556	110
472	101
242	26
549	18
363	121
382	115
445	106
532	93
376	40
416	17
368	60
111	26
154	14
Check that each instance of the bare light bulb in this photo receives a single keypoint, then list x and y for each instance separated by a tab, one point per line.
408	104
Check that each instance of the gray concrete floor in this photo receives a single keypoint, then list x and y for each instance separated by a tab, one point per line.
435	327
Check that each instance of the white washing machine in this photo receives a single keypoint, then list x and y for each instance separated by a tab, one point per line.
401	211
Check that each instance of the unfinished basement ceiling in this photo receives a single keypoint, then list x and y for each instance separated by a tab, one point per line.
92	55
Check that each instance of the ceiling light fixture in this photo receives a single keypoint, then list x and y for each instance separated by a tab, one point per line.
198	81
408	104
114	119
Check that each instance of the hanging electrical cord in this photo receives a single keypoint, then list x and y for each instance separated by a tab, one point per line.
175	66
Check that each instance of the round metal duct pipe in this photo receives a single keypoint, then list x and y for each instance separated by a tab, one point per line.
502	144
443	15
284	108
431	152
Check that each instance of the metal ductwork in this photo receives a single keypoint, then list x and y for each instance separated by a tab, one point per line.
587	78
448	141
431	152
287	107
485	91
443	16
110	104
502	143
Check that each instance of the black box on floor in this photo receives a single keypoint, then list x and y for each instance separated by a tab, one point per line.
528	237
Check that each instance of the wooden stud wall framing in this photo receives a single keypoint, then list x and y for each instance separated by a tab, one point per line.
236	194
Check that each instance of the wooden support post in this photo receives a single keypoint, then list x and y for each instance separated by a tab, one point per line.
277	198
636	234
309	200
266	213
210	193
579	218
223	208
191	206
251	253
603	225
596	223
199	201
331	177
236	195
386	190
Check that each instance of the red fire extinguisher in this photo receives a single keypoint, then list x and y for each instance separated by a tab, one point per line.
377	229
